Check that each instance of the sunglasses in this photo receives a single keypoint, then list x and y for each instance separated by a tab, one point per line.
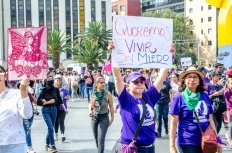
101	82
136	82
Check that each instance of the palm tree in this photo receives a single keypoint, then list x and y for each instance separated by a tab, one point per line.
96	34
89	53
57	43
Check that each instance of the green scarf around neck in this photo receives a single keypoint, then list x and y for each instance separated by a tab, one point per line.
98	95
190	98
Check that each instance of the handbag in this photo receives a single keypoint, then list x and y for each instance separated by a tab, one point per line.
209	138
131	148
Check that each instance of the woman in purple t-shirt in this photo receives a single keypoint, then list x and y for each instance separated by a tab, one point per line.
228	98
192	97
130	102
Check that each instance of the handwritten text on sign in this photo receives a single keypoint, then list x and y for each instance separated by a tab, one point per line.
142	42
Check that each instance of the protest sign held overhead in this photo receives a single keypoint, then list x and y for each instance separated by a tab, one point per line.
142	42
27	53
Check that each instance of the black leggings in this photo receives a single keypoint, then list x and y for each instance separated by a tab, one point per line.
60	121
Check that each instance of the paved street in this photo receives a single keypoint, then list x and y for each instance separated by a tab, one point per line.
79	135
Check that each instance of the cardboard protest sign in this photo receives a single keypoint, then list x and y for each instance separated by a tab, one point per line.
142	42
27	53
186	61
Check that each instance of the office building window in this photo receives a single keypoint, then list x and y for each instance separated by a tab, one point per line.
209	30
202	32
190	10
202	43
209	7
48	15
82	14
41	13
209	43
21	13
209	19
191	32
93	10
201	8
28	13
56	13
75	17
202	20
68	23
103	8
13	13
122	8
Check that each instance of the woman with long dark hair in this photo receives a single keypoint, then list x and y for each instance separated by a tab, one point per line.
50	99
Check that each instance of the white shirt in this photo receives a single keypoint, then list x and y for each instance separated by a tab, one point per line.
12	111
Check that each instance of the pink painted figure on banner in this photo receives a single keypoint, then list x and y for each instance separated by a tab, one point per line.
27	53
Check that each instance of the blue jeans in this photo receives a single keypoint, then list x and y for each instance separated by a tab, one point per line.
82	89
162	113
146	149
27	123
49	115
189	149
88	91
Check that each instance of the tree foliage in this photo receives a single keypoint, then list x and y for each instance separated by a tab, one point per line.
57	43
182	31
90	46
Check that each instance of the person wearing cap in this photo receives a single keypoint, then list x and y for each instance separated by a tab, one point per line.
228	98
15	106
131	99
192	98
216	94
63	109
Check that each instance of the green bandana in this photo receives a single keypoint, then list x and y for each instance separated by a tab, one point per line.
98	95
190	98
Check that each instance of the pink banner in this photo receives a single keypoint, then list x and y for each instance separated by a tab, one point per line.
108	66
27	53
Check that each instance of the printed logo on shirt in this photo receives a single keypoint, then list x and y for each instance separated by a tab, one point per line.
202	112
149	115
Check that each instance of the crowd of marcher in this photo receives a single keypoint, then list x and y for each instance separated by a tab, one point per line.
195	97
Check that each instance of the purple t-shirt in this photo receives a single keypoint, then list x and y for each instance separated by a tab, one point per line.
131	112
228	98
63	94
188	129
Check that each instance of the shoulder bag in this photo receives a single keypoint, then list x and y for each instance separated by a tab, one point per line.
209	138
131	148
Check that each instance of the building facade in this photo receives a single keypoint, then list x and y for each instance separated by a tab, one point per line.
158	5
204	18
126	7
69	16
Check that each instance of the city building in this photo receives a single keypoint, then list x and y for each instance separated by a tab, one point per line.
126	7
158	5
204	18
70	16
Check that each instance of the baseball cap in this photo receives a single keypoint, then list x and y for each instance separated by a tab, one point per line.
229	72
133	76
201	68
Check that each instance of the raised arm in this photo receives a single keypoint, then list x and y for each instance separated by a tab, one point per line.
163	73
119	83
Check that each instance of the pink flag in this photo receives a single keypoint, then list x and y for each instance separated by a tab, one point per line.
108	66
27	53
